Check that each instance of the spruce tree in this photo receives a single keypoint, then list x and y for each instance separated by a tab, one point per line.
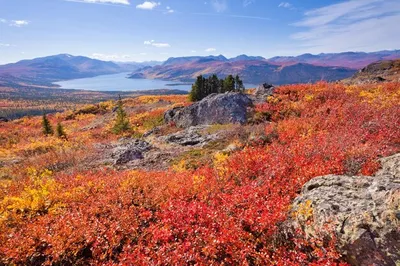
47	129
229	84
239	87
194	93
198	91
60	131
122	122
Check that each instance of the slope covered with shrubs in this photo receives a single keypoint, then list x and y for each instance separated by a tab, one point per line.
228	212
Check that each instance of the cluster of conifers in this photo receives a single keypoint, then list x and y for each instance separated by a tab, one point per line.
206	86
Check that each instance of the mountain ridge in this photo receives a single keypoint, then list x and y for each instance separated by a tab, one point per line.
254	69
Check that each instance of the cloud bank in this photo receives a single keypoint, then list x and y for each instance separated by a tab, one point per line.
354	25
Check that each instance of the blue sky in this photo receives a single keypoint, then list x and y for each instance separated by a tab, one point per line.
138	30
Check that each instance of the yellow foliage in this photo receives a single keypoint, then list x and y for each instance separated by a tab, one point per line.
272	99
379	96
108	105
309	97
37	198
197	181
180	166
219	162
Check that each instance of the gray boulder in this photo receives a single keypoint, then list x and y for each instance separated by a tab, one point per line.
264	90
362	211
190	137
230	107
129	150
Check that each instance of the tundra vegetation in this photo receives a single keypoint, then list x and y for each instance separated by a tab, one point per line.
57	209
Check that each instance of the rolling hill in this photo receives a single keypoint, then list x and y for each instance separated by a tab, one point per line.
387	70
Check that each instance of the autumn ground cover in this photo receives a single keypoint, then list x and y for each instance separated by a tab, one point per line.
228	211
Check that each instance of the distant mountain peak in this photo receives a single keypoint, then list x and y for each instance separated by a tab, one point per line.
244	57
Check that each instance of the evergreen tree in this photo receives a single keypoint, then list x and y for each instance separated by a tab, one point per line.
60	131
197	93
215	84
239	87
122	121
194	93
47	129
229	84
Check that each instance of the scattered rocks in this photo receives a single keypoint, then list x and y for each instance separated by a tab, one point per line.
151	132
129	150
363	212
262	92
190	137
223	108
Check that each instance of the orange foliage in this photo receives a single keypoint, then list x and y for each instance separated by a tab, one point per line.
229	213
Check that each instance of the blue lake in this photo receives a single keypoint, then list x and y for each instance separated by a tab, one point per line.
120	82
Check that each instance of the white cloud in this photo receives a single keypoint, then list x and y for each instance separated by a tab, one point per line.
111	56
286	5
148	5
248	2
116	2
193	51
14	23
157	44
209	50
367	25
5	45
18	23
169	10
219	5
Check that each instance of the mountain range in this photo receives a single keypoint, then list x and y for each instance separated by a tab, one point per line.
252	69
45	70
276	70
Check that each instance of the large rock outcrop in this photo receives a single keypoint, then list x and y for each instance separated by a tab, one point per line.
223	108
362	211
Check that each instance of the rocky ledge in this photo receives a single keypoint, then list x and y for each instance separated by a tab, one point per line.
363	212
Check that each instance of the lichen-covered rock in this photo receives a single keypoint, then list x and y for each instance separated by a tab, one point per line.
223	108
362	211
190	137
264	90
129	149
